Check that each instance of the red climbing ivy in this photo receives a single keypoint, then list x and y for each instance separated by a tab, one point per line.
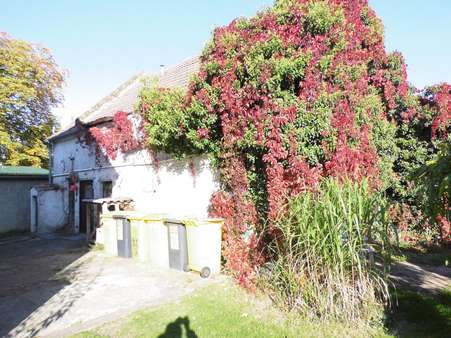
301	91
438	100
119	137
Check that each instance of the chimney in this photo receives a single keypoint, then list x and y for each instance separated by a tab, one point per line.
162	69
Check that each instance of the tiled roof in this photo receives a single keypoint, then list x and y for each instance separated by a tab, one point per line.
22	171
122	99
125	97
179	75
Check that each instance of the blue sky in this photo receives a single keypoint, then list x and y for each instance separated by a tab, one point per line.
104	42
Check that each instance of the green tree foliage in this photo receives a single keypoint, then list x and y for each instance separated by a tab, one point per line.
422	164
30	85
434	183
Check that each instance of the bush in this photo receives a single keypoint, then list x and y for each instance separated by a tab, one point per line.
301	92
170	125
422	165
434	190
323	265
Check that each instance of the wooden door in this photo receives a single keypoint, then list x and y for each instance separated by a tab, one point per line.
86	192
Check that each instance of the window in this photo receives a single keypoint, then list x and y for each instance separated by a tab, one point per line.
107	189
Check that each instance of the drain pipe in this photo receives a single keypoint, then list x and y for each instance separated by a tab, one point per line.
50	162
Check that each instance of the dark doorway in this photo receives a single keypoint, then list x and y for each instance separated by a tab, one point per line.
86	192
72	209
107	188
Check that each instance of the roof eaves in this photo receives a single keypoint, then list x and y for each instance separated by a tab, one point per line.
22	172
168	78
79	126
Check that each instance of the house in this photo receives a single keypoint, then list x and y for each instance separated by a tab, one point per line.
181	188
15	185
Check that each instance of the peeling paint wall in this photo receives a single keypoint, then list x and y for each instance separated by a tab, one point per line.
179	188
47	209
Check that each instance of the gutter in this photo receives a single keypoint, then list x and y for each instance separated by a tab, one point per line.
23	177
79	126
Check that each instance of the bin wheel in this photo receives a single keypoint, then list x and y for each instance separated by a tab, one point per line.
205	272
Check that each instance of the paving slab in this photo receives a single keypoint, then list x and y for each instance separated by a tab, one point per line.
57	287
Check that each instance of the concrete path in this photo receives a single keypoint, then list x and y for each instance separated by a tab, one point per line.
56	287
424	278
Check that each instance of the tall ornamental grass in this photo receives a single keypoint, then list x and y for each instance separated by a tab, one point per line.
332	252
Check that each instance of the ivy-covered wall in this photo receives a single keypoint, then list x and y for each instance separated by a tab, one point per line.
301	91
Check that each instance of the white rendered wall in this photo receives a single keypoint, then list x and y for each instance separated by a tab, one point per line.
169	187
51	214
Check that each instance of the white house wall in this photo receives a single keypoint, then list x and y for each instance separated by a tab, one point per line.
169	187
51	214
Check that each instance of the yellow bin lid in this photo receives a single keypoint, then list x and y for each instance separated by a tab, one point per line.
154	217
117	213
196	222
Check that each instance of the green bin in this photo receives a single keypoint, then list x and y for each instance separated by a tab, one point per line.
108	224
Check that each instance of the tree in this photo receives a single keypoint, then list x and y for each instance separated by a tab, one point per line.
30	85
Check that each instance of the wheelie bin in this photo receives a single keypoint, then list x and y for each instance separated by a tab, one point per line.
108	224
177	245
116	234
124	236
153	240
204	245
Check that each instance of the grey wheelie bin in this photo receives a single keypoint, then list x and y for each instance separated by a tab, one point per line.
177	245
124	236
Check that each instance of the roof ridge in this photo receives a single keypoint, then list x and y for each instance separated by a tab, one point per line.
112	95
181	63
176	75
141	75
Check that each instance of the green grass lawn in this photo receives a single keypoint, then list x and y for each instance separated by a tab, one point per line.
225	310
418	315
222	310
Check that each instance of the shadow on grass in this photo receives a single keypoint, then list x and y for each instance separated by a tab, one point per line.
417	315
432	256
175	329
